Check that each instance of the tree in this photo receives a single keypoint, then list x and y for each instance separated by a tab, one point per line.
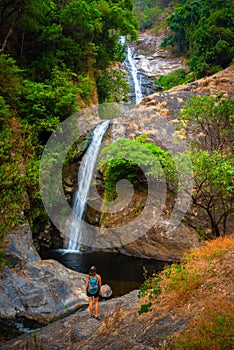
135	160
210	122
204	31
214	188
209	126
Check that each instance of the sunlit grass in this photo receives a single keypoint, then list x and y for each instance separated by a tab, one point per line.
200	289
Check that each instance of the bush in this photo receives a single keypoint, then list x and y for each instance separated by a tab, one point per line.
178	77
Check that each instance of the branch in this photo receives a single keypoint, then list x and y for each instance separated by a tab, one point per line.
11	29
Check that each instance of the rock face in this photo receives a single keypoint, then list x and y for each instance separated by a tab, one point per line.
120	327
154	61
150	62
36	289
157	117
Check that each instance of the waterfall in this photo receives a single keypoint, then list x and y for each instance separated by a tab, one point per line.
133	71
85	178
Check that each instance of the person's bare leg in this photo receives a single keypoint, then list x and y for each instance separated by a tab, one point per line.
96	306
91	305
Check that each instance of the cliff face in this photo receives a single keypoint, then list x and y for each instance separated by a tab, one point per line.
156	116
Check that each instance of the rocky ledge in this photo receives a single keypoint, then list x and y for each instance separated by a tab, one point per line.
36	289
122	327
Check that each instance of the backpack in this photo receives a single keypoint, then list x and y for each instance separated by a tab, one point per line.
93	285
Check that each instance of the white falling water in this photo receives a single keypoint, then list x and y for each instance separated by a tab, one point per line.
133	71
85	178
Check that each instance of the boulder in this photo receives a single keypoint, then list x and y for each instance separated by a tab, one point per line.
36	289
105	291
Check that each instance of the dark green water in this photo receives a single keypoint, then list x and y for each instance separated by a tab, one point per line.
123	273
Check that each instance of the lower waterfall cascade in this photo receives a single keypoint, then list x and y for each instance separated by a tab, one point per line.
85	178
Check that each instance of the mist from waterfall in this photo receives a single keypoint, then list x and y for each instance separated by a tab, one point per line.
84	180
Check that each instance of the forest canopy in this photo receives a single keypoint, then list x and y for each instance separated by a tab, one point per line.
204	30
51	55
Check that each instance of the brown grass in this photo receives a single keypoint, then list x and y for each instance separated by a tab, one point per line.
200	289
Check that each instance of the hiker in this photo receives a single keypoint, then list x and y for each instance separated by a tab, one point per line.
93	285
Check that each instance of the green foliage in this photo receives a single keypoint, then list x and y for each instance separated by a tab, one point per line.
80	35
4	112
116	170
180	279
214	187
214	118
10	80
112	86
145	308
204	30
12	181
127	157
150	287
165	160
210	122
148	12
177	77
149	290
53	99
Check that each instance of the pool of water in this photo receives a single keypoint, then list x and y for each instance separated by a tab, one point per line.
123	273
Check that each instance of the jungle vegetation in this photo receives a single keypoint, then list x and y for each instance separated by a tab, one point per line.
55	58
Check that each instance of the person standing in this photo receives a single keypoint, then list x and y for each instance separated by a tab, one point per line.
93	285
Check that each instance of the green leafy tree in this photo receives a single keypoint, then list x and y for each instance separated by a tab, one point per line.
133	160
112	86
204	31
210	121
214	188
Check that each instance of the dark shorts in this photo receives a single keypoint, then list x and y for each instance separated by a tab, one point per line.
96	295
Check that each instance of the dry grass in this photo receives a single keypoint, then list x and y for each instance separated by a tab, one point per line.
211	329
201	289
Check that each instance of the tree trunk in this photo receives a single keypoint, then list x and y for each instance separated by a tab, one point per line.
12	27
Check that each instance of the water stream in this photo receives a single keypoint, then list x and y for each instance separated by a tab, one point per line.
131	65
84	181
90	157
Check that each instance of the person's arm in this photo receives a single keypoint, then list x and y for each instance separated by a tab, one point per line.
87	282
100	281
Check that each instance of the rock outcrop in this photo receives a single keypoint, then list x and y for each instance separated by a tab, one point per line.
36	289
121	326
157	117
154	61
